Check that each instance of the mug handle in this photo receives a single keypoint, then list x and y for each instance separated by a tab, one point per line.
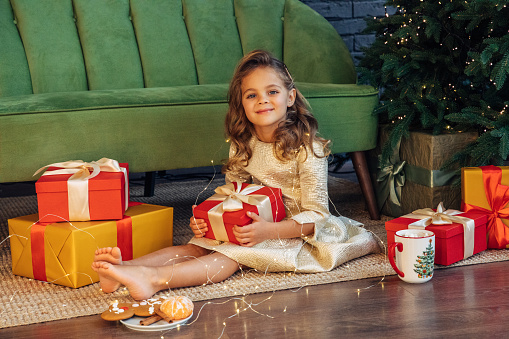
392	254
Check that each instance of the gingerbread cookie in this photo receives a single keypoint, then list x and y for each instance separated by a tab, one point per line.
118	311
146	308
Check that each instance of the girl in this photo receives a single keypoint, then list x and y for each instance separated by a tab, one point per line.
273	143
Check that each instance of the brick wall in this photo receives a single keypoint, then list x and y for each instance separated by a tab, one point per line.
347	16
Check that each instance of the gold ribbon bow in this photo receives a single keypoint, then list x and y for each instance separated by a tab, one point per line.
441	216
232	200
80	170
77	184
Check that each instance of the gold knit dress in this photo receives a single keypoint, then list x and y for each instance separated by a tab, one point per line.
304	186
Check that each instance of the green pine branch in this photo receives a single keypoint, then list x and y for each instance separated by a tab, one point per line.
443	66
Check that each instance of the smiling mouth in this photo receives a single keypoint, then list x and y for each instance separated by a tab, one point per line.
264	110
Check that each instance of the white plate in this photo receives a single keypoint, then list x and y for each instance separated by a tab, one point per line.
134	324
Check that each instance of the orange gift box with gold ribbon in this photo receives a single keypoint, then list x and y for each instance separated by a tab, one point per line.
485	189
82	191
62	253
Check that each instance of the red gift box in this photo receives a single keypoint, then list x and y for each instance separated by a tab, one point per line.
218	211
101	195
449	238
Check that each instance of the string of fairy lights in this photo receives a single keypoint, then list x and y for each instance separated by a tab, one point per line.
231	286
410	27
240	299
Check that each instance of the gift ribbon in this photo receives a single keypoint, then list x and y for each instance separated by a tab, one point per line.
37	248
125	237
233	196
429	178
77	184
125	234
393	175
427	217
37	244
498	198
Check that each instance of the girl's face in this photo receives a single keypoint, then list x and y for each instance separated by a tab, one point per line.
265	100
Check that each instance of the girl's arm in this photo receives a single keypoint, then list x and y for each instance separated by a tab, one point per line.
314	197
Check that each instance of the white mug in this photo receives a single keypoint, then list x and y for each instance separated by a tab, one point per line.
415	255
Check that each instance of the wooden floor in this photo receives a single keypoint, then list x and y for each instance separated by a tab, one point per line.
467	302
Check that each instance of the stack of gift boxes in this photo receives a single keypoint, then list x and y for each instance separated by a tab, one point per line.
83	207
482	222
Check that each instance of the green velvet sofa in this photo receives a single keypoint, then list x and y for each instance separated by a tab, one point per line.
145	81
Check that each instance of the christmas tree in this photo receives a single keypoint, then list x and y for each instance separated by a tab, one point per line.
441	66
425	262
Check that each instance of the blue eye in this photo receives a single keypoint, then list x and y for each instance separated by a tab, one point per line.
273	92
250	96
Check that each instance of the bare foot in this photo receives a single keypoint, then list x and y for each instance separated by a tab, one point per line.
109	254
106	283
137	279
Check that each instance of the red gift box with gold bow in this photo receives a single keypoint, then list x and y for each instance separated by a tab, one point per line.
458	235
62	253
228	207
81	191
485	190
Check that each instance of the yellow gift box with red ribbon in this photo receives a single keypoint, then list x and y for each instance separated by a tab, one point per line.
485	190
82	191
62	253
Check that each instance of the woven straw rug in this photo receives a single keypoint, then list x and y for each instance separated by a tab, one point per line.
25	301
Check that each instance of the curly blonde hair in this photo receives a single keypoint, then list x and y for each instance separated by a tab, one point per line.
297	132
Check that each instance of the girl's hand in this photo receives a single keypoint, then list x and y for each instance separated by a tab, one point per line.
199	226
254	233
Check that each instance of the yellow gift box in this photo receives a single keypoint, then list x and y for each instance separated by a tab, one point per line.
485	190
62	253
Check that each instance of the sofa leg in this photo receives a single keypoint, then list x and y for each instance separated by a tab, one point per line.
362	171
150	183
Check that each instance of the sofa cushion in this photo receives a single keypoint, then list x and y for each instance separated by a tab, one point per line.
115	98
14	74
51	44
214	37
161	32
109	44
260	25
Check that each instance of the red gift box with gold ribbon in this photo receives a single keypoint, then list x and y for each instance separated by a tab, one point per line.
458	235
228	207
485	190
62	253
82	191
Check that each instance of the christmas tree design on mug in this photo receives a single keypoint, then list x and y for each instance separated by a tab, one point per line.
425	263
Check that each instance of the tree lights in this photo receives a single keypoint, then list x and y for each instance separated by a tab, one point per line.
442	67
